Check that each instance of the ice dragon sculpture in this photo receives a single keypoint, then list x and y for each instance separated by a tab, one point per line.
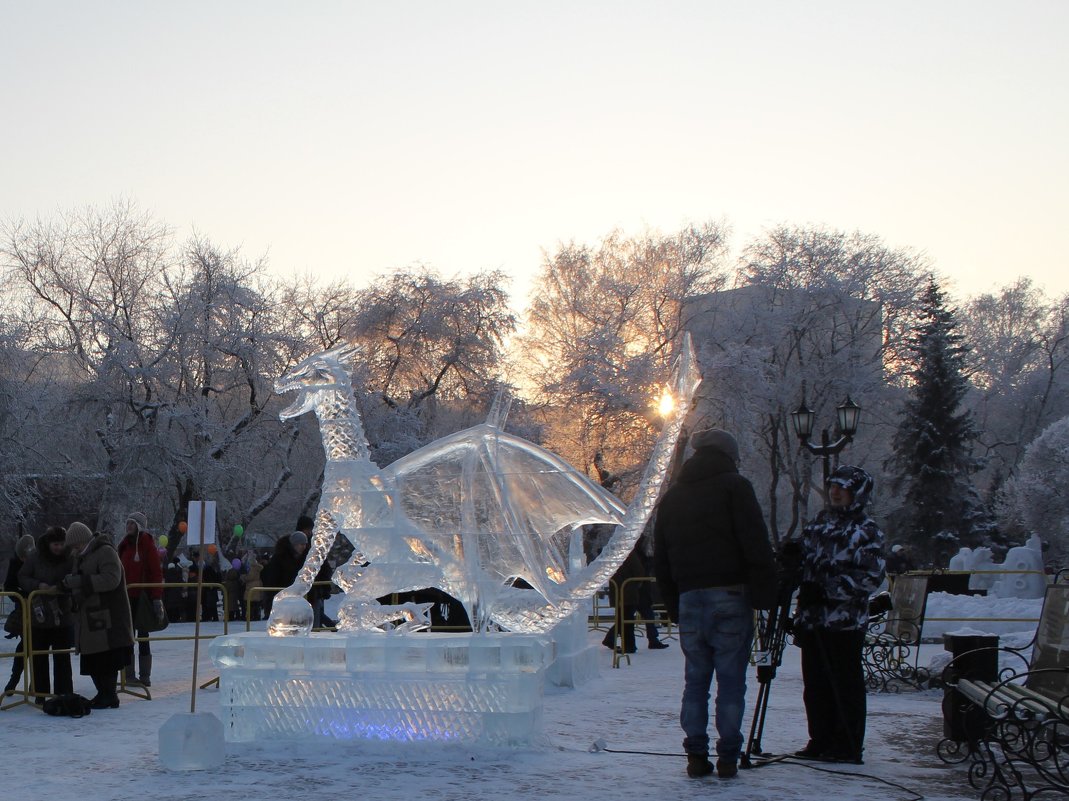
472	514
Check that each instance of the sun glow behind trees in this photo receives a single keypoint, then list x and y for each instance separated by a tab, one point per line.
170	349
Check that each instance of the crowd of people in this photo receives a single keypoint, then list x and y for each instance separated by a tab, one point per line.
713	563
82	601
101	599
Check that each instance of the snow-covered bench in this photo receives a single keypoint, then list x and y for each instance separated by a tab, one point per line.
1015	725
892	642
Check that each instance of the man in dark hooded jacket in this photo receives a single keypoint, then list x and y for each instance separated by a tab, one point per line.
23	549
842	565
714	566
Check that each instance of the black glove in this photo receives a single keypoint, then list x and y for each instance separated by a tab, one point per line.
810	594
73	582
791	551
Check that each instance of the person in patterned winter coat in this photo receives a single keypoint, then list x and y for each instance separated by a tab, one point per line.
842	565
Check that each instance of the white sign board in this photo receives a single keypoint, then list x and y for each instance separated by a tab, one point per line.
200	523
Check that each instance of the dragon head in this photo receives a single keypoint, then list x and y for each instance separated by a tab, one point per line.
325	371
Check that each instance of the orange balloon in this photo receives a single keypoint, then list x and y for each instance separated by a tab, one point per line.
182	527
212	549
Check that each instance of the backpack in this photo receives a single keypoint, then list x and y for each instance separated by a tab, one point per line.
70	705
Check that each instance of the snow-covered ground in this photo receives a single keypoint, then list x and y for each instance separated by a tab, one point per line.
113	754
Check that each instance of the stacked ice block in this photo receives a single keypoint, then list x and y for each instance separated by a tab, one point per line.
460	688
577	658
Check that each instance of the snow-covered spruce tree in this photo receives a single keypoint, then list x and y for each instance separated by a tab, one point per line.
933	460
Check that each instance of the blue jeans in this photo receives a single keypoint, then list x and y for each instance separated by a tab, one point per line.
715	633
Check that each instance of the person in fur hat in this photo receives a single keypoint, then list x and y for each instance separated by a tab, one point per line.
44	572
105	633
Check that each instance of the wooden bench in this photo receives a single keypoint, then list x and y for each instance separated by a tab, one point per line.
892	642
1015	724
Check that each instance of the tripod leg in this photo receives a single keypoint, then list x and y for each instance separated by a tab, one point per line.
772	641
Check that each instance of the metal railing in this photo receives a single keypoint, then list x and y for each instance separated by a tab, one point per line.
619	621
22	608
1048	578
27	652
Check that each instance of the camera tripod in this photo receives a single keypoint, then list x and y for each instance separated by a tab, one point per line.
772	630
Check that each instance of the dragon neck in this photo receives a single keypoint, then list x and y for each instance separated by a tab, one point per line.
340	426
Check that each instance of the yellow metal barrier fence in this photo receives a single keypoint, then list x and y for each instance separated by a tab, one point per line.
636	620
1048	578
21	608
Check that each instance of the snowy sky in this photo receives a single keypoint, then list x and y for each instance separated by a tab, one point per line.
352	138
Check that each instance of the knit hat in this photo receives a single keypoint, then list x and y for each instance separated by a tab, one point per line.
25	546
139	520
298	538
718	440
78	536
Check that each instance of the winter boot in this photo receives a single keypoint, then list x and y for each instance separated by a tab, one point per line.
106	697
145	664
727	768
16	675
812	750
698	765
12	683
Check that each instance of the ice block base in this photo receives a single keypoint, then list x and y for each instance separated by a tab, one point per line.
455	688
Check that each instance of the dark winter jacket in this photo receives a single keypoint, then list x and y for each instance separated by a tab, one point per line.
842	565
46	568
11	580
633	567
103	607
710	532
285	563
282	568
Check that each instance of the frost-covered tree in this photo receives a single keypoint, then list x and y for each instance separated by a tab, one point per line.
18	495
320	314
933	447
1036	496
602	325
815	314
165	363
1018	358
432	354
430	344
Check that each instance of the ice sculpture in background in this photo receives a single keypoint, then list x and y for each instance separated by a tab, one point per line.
473	514
1020	575
1028	579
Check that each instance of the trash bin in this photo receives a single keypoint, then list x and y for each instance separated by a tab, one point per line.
975	657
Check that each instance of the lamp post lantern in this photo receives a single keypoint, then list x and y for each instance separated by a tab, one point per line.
803	418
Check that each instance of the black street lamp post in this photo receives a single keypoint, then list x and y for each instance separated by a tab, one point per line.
803	418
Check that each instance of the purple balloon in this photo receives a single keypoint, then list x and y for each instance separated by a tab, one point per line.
236	563
163	551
